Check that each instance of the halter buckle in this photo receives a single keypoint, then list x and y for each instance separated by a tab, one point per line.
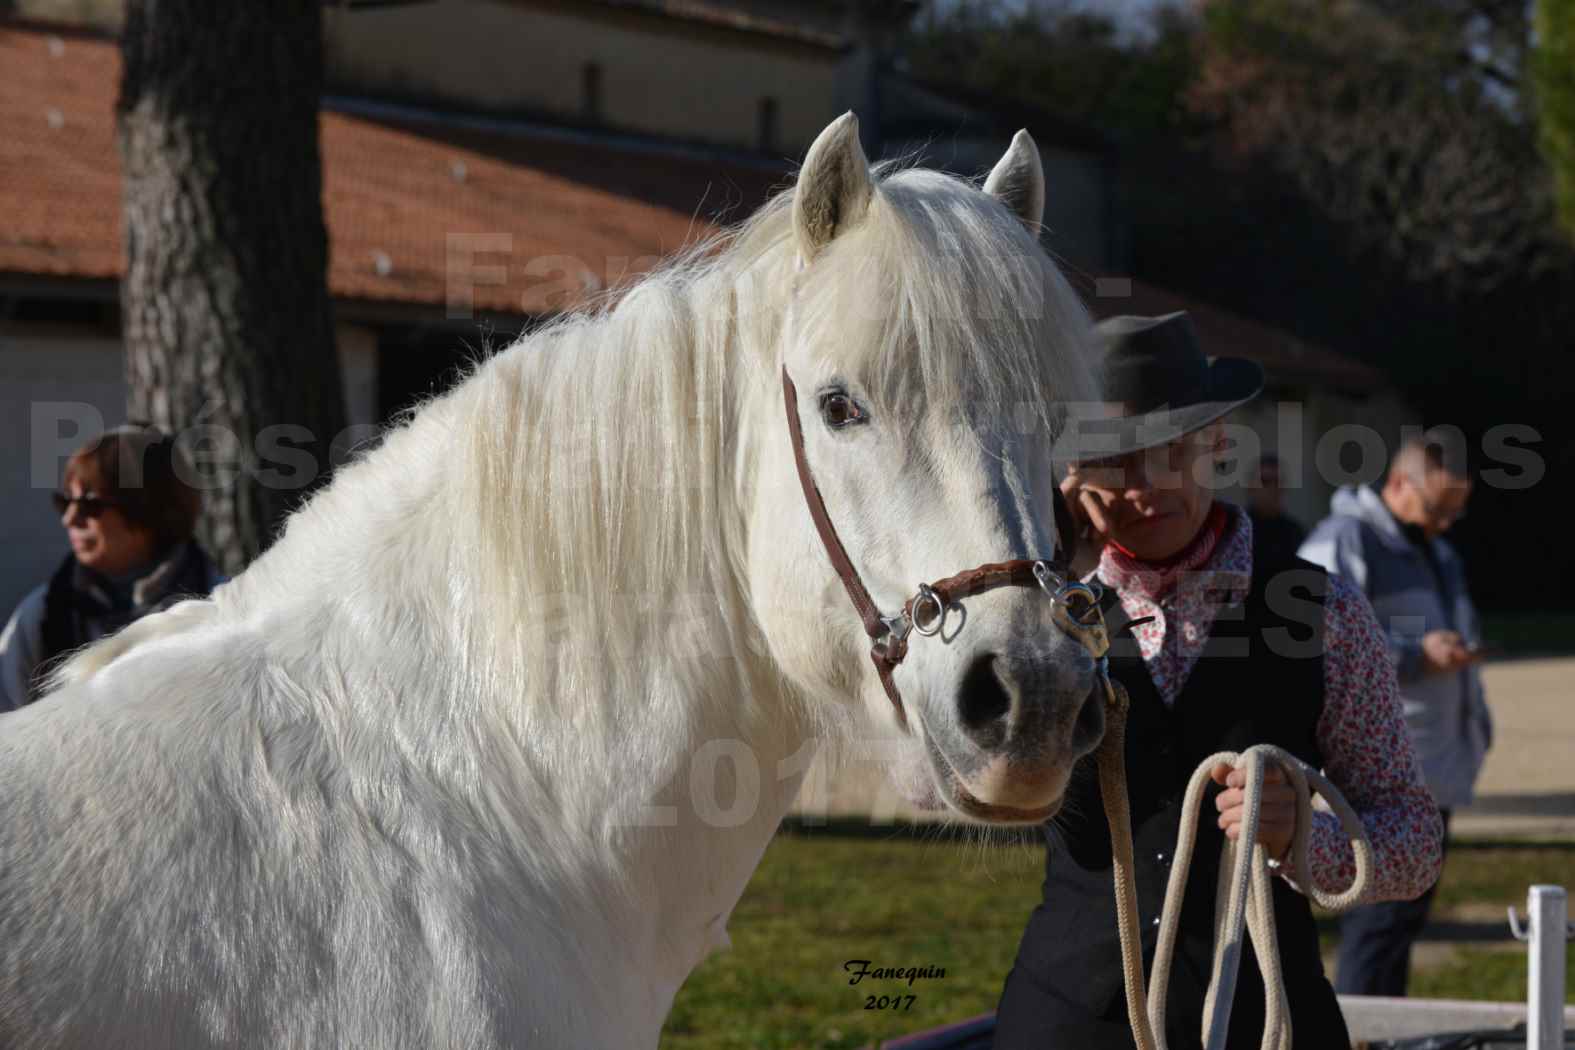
898	627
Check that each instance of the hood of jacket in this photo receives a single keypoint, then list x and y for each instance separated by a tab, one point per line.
1365	504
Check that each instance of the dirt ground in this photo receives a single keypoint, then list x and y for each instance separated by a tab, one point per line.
1527	787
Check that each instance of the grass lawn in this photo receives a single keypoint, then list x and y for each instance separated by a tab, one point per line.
1495	973
1484	874
819	900
943	900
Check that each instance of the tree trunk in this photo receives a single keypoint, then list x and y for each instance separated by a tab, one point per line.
228	329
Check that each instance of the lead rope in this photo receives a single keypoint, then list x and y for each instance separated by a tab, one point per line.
1244	897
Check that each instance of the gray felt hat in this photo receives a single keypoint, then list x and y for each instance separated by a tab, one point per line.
1156	375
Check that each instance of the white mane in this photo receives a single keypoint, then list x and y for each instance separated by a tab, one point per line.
466	678
600	459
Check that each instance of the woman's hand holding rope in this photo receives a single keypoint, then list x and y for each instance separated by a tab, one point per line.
1245	904
1277	808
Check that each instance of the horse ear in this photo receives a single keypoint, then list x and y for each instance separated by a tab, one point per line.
1018	181
834	186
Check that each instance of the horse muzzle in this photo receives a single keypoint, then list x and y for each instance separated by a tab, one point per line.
1005	752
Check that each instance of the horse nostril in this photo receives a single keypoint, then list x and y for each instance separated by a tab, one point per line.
983	704
1090	726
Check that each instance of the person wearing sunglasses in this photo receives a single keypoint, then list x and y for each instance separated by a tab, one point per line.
1216	653
1390	542
129	517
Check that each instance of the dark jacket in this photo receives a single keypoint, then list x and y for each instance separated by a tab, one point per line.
1275	539
78	606
1259	680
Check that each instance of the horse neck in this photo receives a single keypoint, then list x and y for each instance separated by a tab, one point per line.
688	748
620	729
571	607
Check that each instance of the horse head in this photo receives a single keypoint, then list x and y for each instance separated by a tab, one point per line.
929	355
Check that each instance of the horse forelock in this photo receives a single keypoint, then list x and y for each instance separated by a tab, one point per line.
965	310
603	450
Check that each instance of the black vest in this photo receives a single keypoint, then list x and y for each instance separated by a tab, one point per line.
1259	679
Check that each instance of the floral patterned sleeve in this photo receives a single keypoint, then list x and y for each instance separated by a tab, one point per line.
1368	756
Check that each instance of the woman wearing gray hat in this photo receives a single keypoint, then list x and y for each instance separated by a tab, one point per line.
1216	654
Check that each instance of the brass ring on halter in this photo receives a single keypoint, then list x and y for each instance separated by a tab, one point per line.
1090	595
1090	633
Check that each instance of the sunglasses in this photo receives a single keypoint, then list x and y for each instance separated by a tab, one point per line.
90	506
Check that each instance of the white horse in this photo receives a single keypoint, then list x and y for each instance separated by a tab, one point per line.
483	751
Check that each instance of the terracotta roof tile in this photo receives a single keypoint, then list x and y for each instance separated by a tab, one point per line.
59	172
574	214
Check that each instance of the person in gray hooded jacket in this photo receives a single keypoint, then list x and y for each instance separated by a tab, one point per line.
1389	543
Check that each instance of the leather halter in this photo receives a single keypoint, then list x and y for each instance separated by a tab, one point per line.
925	611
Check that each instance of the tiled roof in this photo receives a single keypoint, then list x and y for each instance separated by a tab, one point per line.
574	212
59	171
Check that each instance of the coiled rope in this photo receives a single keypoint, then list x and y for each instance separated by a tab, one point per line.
1243	896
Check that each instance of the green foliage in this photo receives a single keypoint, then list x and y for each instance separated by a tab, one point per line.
1062	58
1553	70
1405	124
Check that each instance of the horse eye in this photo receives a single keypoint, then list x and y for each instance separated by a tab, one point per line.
839	410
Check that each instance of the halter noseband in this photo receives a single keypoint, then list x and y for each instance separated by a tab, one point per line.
1076	605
